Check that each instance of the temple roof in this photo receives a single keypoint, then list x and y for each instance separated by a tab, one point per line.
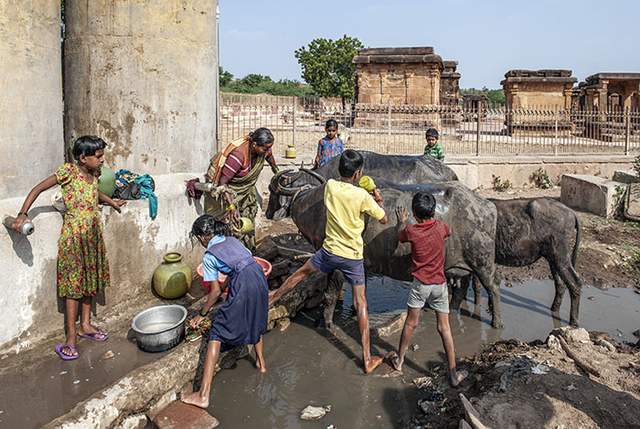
594	78
422	54
544	75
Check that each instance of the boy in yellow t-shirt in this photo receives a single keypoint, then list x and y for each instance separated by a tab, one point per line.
343	247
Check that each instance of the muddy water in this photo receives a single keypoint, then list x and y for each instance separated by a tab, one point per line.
307	366
49	388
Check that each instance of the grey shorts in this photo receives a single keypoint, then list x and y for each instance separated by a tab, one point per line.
435	296
353	269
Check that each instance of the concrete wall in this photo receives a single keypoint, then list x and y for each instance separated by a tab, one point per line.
141	74
30	93
135	246
477	172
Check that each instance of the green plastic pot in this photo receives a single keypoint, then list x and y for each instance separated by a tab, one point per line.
172	278
107	181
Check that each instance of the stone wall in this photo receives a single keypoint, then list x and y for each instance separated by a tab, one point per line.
30	94
399	84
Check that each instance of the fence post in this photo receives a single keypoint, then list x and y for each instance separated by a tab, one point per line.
478	119
293	133
555	133
388	145
627	134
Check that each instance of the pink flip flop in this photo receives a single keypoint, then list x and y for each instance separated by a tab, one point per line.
63	356
98	337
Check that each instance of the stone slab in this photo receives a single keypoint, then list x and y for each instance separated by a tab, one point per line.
592	194
625	176
179	415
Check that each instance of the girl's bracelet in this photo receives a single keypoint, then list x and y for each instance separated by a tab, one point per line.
23	213
203	312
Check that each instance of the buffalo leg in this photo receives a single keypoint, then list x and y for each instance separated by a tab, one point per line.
488	279
458	293
570	278
560	289
334	285
477	294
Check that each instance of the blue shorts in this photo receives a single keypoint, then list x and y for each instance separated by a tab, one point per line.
327	262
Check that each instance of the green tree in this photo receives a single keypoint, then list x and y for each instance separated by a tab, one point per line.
495	97
327	66
224	76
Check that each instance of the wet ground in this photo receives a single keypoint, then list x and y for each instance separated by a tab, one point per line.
309	366
37	393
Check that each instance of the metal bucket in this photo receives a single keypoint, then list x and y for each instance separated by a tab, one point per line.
160	328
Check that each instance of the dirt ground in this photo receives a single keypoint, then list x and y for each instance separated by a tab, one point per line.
517	385
609	253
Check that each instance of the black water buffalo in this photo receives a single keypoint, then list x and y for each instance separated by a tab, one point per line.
401	169
470	249
530	229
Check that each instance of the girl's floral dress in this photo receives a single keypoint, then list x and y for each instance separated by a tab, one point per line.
82	261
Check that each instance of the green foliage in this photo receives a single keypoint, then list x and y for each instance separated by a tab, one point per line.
260	84
327	66
541	179
494	96
499	184
224	76
618	201
636	165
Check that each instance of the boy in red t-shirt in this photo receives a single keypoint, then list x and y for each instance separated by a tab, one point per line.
429	286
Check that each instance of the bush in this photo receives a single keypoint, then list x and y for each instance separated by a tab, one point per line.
499	184
541	179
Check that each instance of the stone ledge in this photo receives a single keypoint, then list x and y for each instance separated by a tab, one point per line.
590	193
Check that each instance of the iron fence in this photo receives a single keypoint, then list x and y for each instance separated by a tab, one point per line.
399	129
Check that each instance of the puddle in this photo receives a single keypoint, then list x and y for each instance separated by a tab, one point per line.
38	394
307	367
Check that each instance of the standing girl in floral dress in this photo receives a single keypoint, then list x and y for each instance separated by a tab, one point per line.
83	268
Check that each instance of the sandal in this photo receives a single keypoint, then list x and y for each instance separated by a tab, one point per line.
100	336
64	356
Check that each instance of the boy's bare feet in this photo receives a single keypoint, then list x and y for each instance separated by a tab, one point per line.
395	361
371	364
456	377
194	398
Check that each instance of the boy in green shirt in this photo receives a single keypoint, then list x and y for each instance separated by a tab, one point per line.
433	148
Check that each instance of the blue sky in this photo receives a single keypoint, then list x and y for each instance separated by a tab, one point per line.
486	37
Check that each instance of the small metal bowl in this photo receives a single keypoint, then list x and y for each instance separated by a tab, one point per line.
160	328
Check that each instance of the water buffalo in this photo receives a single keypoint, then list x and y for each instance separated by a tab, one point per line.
401	169
530	229
470	249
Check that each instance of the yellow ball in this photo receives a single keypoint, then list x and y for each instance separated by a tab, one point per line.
367	183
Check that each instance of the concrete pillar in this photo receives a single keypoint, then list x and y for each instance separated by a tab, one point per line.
142	75
30	94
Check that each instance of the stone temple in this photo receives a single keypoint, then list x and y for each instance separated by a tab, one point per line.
411	80
528	90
